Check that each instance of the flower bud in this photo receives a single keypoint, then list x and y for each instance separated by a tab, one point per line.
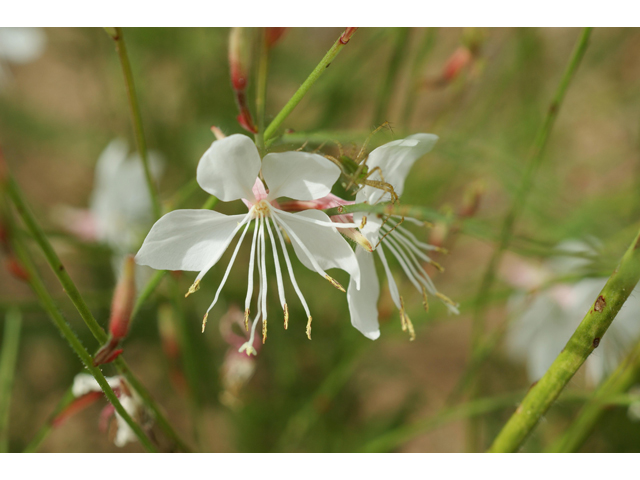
239	60
273	34
123	300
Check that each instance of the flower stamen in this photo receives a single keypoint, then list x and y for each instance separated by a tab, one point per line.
309	327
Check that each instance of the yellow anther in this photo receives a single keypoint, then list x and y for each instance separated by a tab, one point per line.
412	332
264	330
403	320
193	288
437	266
309	328
425	300
286	316
246	319
363	222
335	283
248	348
446	299
204	321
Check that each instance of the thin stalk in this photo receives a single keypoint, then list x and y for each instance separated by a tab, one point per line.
583	341
625	376
393	69
517	205
136	118
8	362
78	301
46	429
148	289
261	90
49	306
333	52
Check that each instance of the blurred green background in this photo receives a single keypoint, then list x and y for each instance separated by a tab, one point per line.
339	391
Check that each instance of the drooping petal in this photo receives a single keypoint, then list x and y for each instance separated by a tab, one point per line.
328	247
299	175
395	159
228	169
363	303
188	240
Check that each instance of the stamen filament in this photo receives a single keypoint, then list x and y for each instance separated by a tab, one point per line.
276	260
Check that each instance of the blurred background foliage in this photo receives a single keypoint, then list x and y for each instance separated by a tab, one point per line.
340	391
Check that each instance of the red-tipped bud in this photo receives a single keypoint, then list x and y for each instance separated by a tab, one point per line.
168	333
246	122
123	300
239	66
108	352
15	268
348	33
75	406
273	34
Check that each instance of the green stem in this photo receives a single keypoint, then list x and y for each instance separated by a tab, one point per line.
78	301
517	205
46	429
619	382
583	341
49	306
393	69
261	91
148	289
333	52
8	362
136	118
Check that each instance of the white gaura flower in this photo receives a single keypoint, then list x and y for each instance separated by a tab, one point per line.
390	165
19	45
83	384
120	208
194	240
545	318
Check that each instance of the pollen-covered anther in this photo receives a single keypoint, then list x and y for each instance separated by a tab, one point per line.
246	319
204	321
412	332
248	349
193	288
261	208
335	283
446	299
264	330
286	316
403	319
437	266
425	300
363	222
309	328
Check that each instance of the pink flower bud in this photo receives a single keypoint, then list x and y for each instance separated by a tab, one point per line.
273	34
238	66
123	300
459	60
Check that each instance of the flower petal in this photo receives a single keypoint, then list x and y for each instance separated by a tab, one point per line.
371	229
228	169
328	247
299	175
395	159
363	303
189	240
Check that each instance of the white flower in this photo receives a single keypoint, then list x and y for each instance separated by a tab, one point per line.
19	45
545	320
83	383
194	240
390	164
120	209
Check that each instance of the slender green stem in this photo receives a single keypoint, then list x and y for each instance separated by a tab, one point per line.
210	203
583	341
49	306
136	118
393	69
517	205
8	362
46	429
619	382
333	52
78	301
148	289
261	90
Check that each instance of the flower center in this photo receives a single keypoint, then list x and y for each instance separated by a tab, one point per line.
262	208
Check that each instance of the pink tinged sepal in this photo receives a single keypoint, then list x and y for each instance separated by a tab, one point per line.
76	406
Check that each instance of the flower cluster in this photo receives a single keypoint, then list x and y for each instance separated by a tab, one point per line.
231	169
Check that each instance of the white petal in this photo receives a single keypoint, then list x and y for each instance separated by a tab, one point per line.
328	247
371	229
84	383
189	240
395	159
228	170
299	175
363	303
21	45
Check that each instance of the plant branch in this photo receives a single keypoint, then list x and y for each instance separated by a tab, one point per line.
8	362
583	341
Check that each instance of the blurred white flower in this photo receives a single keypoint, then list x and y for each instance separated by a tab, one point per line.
19	45
194	240
390	164
84	384
120	209
545	318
